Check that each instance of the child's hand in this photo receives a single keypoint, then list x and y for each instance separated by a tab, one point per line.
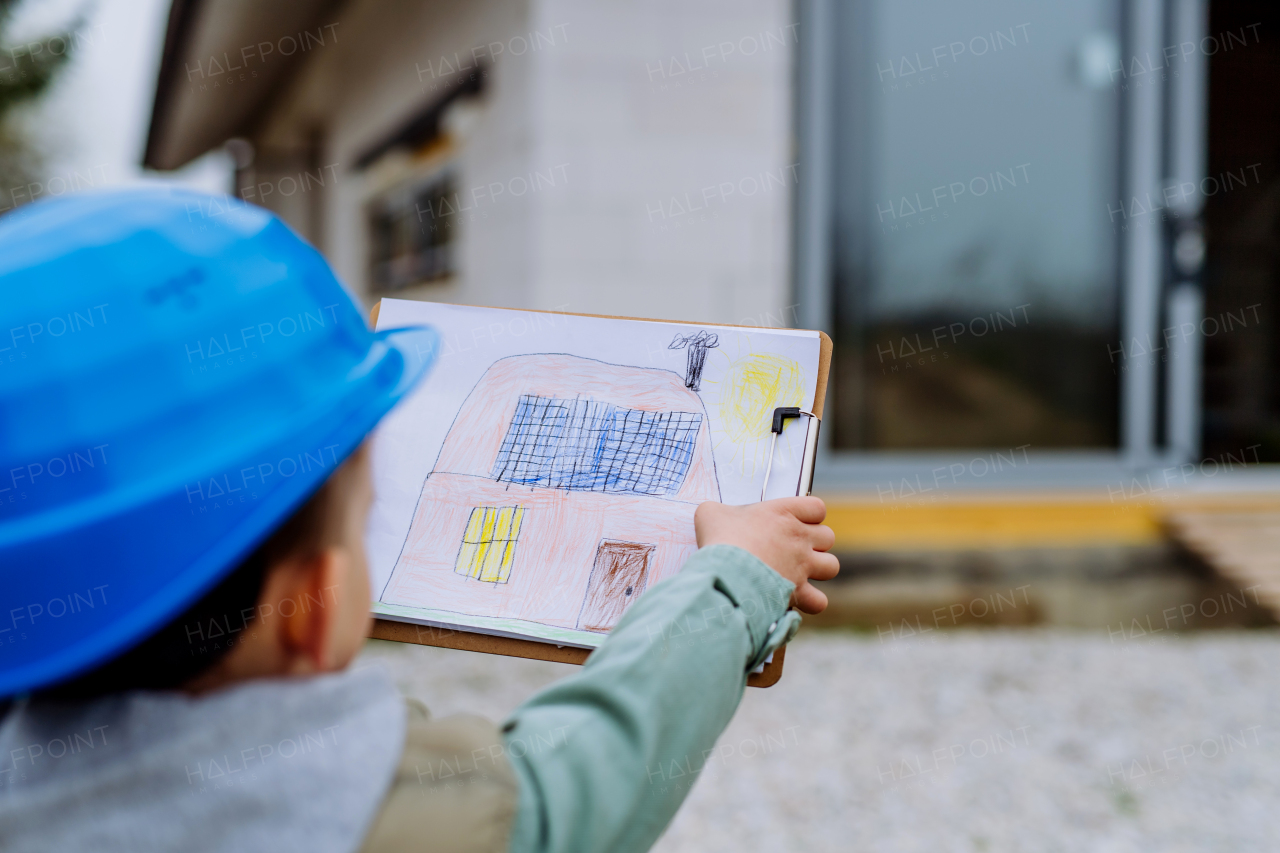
787	534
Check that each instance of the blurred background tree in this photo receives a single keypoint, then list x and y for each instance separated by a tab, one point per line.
27	68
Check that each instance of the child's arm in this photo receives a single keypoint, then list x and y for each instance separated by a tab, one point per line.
605	757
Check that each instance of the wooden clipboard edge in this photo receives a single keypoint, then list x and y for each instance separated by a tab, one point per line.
423	635
452	638
467	641
825	348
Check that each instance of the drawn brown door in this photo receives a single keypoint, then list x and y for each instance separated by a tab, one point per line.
617	579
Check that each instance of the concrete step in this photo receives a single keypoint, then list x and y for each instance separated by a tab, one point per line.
1121	589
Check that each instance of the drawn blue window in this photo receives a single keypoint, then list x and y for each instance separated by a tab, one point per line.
592	446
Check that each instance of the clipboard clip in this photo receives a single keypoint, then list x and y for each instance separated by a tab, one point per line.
781	415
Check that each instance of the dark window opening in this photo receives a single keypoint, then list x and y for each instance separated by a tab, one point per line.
412	234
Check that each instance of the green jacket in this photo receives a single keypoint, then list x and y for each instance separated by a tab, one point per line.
601	760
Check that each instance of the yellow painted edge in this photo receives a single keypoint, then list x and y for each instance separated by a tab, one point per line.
994	524
1032	520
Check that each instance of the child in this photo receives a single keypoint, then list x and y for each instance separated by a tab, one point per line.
183	410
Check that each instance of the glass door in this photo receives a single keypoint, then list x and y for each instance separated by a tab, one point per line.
975	265
981	225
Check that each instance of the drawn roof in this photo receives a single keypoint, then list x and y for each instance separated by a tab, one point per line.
562	421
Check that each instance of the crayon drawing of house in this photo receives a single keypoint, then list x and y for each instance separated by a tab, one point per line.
564	488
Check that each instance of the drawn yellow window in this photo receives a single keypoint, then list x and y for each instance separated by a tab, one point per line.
489	543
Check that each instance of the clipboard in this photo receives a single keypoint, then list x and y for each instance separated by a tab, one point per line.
452	638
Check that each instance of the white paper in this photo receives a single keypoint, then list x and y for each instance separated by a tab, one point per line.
546	472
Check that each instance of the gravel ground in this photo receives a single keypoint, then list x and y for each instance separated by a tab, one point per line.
997	740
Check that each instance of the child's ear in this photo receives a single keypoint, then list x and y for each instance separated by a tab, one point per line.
308	612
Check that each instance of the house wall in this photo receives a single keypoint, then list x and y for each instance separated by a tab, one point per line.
655	137
554	556
643	142
391	59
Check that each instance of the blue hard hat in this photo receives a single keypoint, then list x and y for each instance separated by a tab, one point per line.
178	373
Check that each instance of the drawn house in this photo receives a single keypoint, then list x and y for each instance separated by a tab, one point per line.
564	488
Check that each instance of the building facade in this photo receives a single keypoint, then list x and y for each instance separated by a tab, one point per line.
622	158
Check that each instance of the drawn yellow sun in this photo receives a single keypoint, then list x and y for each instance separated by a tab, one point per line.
752	388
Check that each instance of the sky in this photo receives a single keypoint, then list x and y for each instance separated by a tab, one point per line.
94	119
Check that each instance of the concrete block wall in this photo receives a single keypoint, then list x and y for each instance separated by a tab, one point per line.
675	122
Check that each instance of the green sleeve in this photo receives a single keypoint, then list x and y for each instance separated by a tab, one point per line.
605	757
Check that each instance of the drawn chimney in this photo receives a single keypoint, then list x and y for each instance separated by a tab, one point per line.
697	345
